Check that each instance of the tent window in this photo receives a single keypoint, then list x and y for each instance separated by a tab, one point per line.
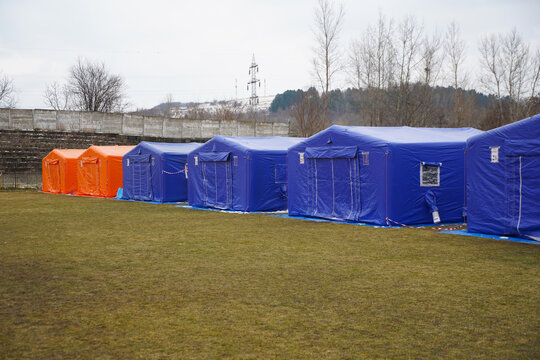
365	158
301	154
494	154
430	175
280	174
235	160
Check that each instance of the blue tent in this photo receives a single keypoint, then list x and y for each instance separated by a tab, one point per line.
379	175
155	171
503	180
240	173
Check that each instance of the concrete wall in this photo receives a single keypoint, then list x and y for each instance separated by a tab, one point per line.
134	125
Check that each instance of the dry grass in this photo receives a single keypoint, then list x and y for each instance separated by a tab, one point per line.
102	279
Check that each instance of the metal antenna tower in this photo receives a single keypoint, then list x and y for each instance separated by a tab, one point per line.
253	70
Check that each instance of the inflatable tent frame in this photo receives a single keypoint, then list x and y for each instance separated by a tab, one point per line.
99	170
503	180
380	175
240	173
156	171
59	171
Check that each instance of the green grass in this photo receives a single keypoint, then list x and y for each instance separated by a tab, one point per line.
101	279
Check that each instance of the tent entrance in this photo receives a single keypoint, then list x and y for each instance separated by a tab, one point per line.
53	171
90	172
333	182
217	179
523	195
141	177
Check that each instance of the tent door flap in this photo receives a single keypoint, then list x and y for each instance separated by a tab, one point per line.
141	178
523	196
334	186
217	182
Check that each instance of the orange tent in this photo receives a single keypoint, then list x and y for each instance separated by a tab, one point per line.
59	171
99	170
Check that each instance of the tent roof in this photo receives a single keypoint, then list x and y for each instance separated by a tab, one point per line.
405	134
111	150
260	143
68	153
174	148
528	128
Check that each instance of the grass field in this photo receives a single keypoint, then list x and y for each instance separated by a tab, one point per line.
101	279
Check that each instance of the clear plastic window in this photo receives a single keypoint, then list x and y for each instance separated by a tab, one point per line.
365	158
430	175
280	174
494	154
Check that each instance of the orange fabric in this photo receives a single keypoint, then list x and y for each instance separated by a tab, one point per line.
99	170
59	172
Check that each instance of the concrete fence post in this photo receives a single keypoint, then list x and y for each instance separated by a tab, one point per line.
162	126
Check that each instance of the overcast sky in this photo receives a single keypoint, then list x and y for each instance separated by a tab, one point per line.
197	49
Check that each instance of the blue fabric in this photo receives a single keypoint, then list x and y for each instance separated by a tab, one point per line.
503	197
368	174
156	172
214	156
431	201
337	221
489	236
331	152
240	173
223	210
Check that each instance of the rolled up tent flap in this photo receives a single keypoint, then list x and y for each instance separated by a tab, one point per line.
214	156
144	158
431	163
331	152
89	160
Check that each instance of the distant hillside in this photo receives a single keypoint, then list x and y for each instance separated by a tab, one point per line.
184	109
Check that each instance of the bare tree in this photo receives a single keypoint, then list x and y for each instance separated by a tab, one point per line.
511	73
492	76
232	110
307	115
167	109
90	87
431	59
95	89
196	112
326	62
534	98
57	96
515	56
455	50
7	92
371	66
407	59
